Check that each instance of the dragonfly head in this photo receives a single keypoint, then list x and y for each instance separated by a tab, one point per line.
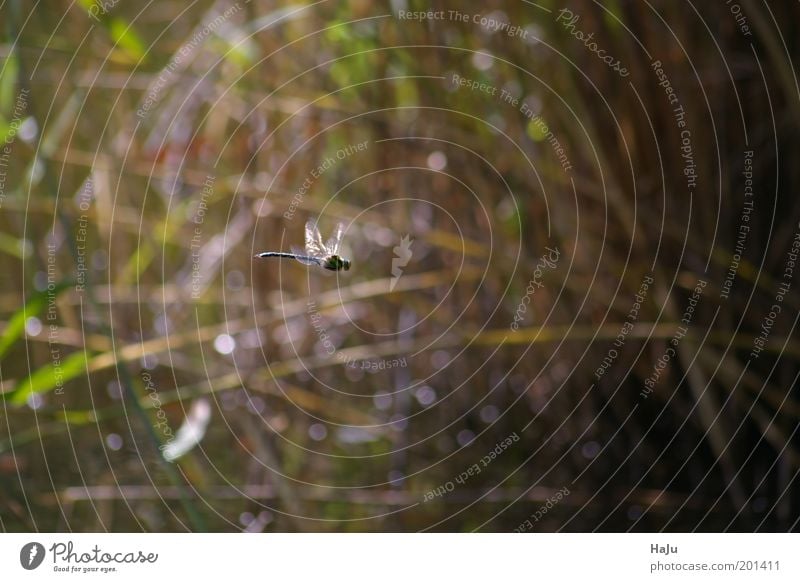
345	264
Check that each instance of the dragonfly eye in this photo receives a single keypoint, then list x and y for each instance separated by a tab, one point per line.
346	264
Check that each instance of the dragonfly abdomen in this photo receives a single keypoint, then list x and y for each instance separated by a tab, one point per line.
302	258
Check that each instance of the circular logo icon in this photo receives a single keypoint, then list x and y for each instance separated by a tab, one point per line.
31	555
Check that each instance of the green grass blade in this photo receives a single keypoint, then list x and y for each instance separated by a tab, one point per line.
34	306
127	39
8	82
49	377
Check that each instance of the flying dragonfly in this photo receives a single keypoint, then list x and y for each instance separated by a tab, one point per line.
324	255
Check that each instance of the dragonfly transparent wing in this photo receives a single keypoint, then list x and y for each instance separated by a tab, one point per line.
299	254
314	245
332	246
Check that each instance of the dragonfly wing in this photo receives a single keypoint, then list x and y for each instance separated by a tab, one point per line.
332	246
299	253
314	245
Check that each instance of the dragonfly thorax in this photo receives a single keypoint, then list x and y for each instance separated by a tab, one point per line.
336	263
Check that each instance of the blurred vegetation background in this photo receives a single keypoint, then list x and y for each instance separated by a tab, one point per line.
156	377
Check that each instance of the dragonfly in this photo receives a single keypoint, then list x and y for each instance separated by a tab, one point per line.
316	253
